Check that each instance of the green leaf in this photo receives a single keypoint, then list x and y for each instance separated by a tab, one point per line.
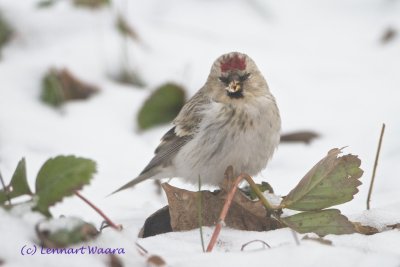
18	185
91	3
60	177
52	90
332	181
5	32
162	106
322	222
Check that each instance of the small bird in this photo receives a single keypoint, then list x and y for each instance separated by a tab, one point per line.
232	120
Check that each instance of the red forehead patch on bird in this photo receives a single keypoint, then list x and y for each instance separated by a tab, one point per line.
233	63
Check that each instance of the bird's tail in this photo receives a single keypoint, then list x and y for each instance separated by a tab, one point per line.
140	178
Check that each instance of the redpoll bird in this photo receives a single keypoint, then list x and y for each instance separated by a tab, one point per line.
232	120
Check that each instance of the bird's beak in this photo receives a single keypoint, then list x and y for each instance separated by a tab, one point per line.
234	86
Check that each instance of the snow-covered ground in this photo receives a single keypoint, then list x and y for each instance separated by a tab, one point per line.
323	60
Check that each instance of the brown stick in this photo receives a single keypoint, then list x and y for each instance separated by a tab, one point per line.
111	223
224	212
375	166
228	203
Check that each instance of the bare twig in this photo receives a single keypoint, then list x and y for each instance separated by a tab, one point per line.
142	250
111	223
5	189
375	166
253	241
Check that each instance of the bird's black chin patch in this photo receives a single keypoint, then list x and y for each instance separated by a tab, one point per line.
237	94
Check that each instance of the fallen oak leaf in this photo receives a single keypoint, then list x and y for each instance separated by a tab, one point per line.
332	181
244	214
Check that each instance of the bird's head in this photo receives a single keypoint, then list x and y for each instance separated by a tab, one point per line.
235	76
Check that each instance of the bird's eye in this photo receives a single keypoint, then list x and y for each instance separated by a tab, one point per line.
223	79
244	77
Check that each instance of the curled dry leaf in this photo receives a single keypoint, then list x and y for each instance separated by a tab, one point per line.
332	181
244	214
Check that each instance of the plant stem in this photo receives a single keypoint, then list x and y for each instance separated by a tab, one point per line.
228	203
259	194
199	209
111	223
224	212
375	166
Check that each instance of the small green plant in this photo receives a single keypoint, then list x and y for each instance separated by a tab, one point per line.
58	178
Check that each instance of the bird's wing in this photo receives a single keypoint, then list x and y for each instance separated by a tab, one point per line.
168	148
186	126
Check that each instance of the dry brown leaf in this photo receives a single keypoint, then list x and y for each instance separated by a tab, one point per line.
73	87
244	214
301	136
155	261
114	261
394	226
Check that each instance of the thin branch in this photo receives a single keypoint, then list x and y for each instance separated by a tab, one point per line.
253	241
111	223
5	189
142	250
375	166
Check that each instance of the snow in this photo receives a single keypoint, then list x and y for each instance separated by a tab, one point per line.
323	61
